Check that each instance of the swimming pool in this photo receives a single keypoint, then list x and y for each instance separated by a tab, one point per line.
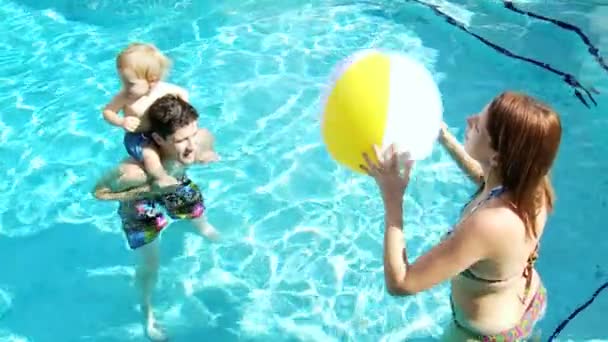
301	252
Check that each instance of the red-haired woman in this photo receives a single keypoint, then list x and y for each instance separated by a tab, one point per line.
489	255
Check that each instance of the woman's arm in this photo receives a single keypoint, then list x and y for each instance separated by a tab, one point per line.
395	255
466	163
468	244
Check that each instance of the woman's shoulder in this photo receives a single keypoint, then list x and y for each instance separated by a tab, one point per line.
495	223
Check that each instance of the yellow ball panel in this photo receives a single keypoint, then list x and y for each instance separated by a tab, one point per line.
356	110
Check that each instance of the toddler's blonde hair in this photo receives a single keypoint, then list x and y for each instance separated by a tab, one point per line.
144	61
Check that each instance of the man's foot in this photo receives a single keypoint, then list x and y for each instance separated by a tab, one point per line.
153	331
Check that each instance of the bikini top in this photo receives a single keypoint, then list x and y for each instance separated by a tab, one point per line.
528	270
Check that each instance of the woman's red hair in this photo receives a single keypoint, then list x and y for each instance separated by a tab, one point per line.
526	134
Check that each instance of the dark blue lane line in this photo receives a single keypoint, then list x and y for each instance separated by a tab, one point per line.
567	78
578	310
594	51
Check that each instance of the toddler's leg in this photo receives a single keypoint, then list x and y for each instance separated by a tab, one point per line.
154	168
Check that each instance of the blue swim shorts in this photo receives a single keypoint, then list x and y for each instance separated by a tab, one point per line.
134	143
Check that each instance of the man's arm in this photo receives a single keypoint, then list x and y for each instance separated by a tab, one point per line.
206	153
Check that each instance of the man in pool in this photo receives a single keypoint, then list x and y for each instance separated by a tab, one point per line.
180	143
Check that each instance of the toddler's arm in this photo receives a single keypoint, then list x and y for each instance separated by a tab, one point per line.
111	110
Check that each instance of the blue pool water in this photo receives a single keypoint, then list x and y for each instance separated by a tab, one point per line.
300	257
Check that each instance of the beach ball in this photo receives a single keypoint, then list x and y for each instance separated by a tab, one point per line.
380	98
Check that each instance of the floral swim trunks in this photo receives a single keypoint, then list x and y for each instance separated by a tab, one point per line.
143	219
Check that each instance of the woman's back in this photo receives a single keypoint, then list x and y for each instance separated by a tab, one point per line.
491	296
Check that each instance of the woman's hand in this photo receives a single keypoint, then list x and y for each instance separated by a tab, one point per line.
443	132
392	179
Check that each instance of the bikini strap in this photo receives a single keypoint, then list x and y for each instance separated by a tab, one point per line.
528	271
494	192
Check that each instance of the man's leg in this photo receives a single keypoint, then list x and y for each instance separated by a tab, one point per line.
187	204
146	277
205	228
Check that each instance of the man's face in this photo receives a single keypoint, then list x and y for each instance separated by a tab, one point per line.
181	145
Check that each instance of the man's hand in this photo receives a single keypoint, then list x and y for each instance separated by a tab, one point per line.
166	184
206	157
